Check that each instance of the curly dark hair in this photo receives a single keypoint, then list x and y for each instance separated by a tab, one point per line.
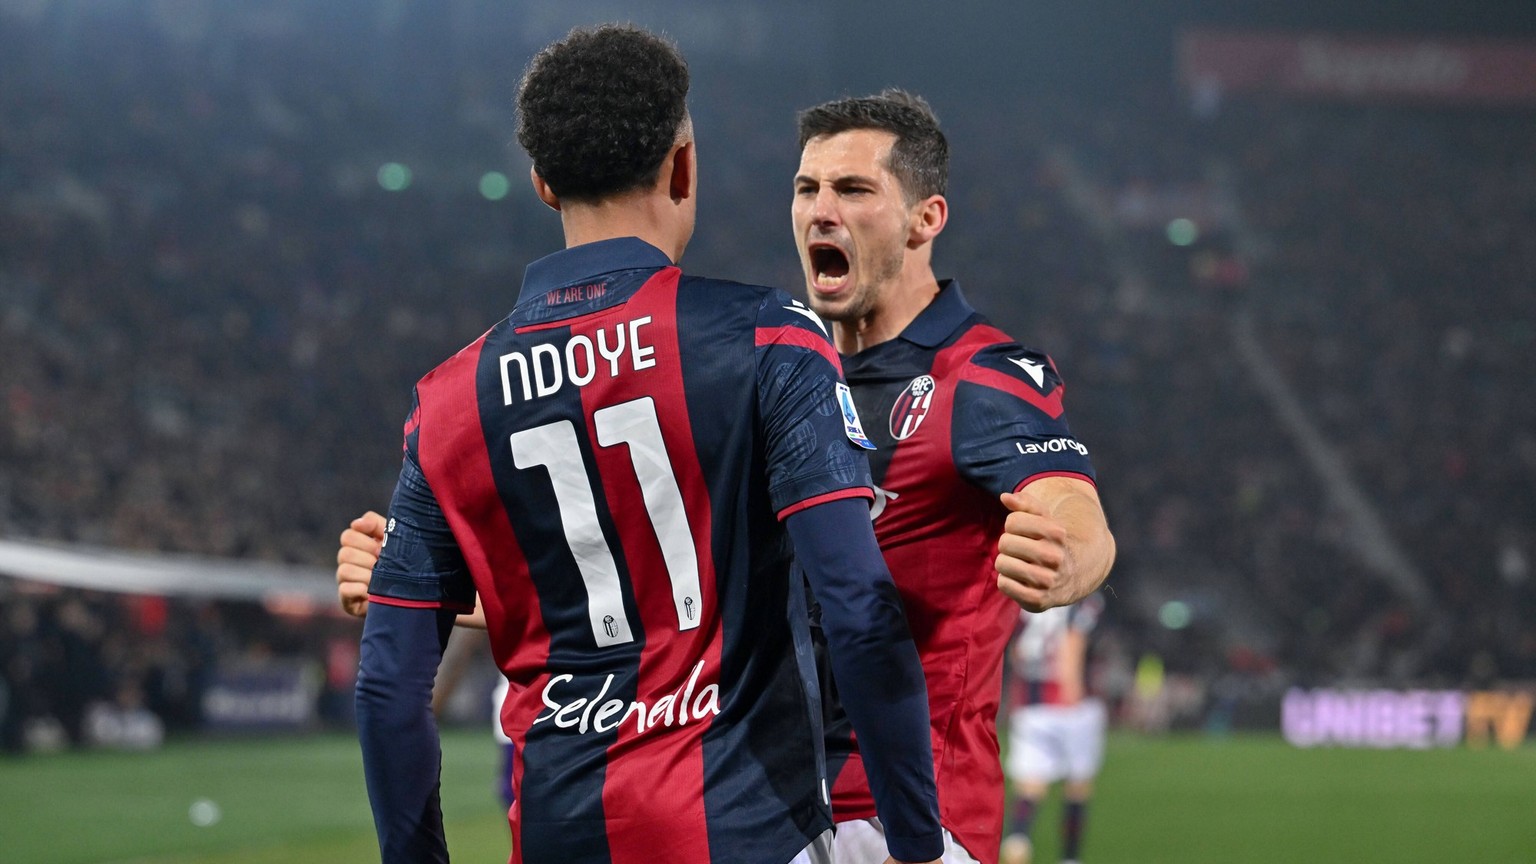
920	156
599	110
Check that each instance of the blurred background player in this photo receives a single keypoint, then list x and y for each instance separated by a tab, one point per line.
1055	729
619	470
973	452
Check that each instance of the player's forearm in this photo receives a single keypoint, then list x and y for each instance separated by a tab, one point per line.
877	669
401	758
1090	547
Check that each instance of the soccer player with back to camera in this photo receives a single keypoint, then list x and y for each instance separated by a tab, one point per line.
973	453
1055	728
619	470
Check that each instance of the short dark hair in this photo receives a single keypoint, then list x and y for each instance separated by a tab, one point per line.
599	110
920	156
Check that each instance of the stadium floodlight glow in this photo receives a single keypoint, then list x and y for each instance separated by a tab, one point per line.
1174	615
394	177
1183	232
494	185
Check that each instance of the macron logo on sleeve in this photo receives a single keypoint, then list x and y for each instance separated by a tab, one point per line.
1035	371
801	309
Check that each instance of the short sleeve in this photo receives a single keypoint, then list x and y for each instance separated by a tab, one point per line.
1010	426
420	564
814	440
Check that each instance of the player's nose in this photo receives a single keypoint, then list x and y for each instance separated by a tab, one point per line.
824	208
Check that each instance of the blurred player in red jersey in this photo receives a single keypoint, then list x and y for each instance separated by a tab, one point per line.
614	476
1055	728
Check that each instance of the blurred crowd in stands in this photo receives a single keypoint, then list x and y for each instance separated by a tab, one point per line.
211	312
110	670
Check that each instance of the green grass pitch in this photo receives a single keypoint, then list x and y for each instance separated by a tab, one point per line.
1177	800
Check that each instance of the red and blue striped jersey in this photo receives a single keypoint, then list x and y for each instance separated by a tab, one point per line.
611	464
959	414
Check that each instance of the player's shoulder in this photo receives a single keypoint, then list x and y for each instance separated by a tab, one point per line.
724	290
984	352
463	362
983	343
769	307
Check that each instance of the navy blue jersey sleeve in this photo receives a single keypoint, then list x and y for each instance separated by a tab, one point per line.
420	563
1010	426
815	443
876	665
400	653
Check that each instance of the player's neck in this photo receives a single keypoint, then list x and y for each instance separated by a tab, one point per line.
630	216
900	302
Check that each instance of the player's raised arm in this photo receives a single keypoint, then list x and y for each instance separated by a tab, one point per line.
417	587
876	666
820	486
1013	438
1056	547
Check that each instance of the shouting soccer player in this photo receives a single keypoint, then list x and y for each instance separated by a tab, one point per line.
971	442
618	470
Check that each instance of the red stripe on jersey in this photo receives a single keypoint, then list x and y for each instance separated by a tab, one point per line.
453	457
421	604
1051	404
664	765
1044	474
982	336
799	338
854	492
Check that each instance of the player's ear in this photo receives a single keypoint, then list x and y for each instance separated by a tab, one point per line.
541	189
684	174
928	219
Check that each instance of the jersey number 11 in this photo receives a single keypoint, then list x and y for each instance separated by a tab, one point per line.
554	446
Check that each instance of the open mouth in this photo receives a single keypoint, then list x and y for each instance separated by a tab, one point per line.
829	267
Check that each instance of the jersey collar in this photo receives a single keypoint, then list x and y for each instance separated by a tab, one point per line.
940	318
581	263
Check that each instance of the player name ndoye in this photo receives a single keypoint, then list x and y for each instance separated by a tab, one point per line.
545	368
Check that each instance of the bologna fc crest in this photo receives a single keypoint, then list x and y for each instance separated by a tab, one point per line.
911	407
